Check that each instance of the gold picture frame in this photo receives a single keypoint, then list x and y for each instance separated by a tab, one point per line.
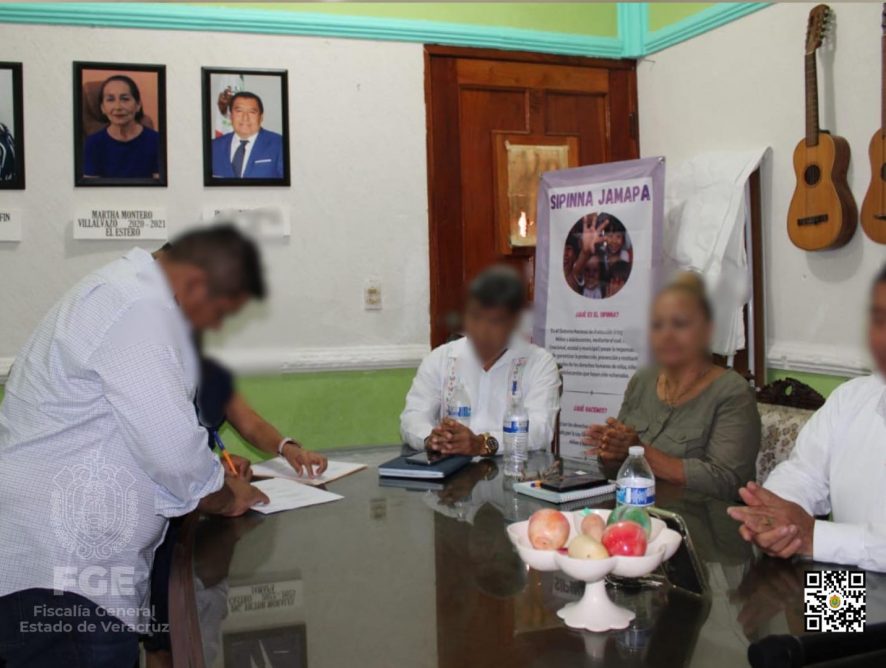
520	160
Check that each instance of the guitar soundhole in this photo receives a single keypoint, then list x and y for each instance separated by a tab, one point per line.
883	171
812	175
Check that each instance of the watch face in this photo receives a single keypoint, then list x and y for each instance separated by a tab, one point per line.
492	444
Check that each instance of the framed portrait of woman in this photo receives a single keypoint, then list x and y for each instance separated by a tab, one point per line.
12	128
245	127
119	124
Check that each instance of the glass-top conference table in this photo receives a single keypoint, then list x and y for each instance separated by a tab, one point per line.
401	576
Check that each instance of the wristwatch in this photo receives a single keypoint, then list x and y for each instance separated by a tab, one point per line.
490	445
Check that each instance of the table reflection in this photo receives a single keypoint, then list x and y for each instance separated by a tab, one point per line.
422	574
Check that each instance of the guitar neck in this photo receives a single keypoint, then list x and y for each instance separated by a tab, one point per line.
812	127
883	84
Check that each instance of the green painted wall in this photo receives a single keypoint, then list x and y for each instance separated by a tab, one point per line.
327	410
819	382
577	18
598	29
346	408
663	14
599	19
334	409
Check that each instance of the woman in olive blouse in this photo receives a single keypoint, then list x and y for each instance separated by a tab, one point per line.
698	422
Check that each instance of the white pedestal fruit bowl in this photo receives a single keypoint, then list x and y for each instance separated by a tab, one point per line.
595	611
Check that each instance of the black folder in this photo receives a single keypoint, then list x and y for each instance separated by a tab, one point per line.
400	468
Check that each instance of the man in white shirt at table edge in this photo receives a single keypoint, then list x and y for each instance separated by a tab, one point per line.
838	466
100	444
492	362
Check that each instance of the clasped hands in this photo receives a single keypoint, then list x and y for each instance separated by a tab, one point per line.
779	527
451	437
610	441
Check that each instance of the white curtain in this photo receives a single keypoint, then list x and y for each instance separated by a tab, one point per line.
707	211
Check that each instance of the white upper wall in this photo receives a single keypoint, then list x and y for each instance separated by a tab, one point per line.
358	199
359	196
741	86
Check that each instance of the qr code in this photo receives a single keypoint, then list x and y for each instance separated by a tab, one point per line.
834	600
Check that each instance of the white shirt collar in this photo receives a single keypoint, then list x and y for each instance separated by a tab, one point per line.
238	138
516	345
153	273
139	256
881	384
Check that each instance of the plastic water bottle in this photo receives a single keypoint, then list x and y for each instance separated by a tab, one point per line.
458	407
516	437
635	484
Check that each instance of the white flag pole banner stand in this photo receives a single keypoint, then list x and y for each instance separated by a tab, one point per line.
597	327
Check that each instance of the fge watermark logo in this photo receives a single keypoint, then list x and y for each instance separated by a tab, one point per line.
834	601
93	508
95	580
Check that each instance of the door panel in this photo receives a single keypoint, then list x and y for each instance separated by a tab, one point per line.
484	112
502	74
475	95
583	116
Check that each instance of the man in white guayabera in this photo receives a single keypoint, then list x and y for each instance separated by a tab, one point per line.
100	444
837	468
482	373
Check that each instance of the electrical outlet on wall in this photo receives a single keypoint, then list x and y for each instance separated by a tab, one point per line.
372	295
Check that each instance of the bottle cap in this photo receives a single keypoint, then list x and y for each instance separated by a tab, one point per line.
636	450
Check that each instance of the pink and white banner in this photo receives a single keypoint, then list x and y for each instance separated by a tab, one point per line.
598	260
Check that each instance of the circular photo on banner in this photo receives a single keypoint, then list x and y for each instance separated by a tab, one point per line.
597	256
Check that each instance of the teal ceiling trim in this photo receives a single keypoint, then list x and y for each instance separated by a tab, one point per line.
703	21
633	17
634	39
170	16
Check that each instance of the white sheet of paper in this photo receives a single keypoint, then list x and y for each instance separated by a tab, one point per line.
280	468
288	495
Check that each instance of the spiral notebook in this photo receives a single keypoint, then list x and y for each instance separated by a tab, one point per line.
535	490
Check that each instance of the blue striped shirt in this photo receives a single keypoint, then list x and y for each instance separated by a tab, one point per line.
99	442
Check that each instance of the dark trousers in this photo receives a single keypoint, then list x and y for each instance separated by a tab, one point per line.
41	629
160	574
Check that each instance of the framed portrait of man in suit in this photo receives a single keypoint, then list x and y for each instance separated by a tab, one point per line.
245	127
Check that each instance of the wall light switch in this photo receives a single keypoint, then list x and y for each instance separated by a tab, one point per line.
372	295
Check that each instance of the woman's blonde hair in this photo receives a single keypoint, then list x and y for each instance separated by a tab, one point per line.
691	283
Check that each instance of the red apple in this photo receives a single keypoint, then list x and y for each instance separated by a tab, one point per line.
632	514
625	539
548	529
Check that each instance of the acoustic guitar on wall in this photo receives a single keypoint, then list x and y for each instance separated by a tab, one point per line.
823	213
873	209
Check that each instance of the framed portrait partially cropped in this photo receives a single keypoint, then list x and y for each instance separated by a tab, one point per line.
12	128
119	124
245	127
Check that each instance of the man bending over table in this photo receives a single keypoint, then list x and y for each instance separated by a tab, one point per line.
100	445
838	466
491	362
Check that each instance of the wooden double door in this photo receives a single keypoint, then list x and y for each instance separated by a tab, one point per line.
477	100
